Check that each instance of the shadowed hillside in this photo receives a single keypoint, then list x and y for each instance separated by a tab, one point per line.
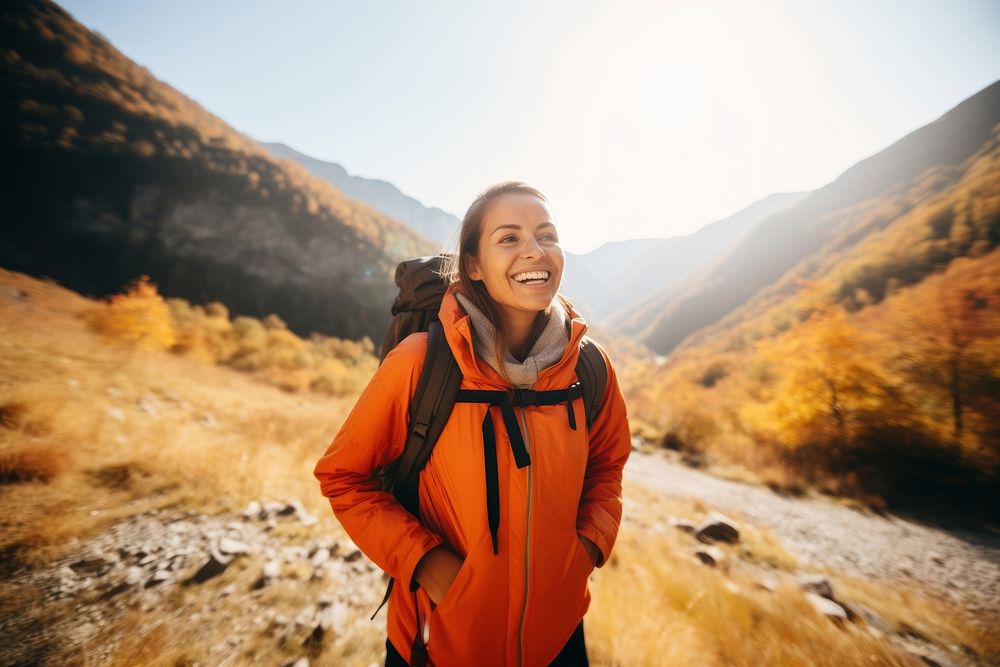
110	173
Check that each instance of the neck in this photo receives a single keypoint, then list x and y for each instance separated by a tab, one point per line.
521	329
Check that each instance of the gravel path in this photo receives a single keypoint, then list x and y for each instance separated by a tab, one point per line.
961	565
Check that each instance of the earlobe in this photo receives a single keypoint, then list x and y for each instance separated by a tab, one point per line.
473	269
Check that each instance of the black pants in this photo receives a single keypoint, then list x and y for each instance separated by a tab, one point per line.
573	654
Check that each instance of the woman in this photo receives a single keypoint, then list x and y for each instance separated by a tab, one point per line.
469	591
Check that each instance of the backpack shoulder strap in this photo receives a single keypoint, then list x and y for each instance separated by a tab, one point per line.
430	408
593	374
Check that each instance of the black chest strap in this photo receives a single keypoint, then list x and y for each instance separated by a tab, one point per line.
506	400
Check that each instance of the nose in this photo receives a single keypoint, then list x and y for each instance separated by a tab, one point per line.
532	248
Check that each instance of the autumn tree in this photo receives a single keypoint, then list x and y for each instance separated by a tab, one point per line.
138	316
949	351
832	388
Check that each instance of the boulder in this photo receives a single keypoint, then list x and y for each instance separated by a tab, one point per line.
710	555
718	527
818	584
682	524
828	608
252	510
213	567
229	546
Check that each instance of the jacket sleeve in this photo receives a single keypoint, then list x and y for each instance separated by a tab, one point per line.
373	435
600	510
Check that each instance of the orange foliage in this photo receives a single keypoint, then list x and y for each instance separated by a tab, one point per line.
139	316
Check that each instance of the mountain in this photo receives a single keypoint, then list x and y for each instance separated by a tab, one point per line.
109	173
580	279
434	223
830	220
631	272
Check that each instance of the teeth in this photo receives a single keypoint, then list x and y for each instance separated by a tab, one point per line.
531	275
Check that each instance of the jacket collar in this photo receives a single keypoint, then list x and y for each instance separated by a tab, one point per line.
457	327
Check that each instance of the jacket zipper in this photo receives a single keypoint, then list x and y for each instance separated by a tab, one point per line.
527	542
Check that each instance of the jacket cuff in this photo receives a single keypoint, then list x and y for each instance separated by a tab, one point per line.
598	539
413	558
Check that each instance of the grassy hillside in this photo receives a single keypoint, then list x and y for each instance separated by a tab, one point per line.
110	173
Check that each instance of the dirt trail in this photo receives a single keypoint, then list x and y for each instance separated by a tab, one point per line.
960	565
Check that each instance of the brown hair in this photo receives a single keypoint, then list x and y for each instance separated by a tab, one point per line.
456	268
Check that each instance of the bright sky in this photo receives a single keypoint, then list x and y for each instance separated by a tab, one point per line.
634	118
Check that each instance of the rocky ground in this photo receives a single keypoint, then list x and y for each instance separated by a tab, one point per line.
962	566
184	562
143	562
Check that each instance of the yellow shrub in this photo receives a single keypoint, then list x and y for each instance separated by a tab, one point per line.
139	316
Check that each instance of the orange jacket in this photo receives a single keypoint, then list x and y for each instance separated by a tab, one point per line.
517	607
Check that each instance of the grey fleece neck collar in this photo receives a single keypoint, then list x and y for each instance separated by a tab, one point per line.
547	350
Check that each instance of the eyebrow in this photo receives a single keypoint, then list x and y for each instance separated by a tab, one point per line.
514	226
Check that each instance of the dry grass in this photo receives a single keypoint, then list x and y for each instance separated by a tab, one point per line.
692	614
92	433
910	612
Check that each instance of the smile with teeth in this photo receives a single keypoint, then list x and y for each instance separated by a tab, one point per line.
532	277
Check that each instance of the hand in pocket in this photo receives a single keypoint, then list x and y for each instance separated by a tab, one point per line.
592	551
436	572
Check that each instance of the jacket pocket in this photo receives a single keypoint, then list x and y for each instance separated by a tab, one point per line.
458	585
453	610
582	554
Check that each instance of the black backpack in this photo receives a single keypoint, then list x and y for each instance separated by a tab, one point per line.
421	288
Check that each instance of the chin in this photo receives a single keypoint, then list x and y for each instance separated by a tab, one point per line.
536	304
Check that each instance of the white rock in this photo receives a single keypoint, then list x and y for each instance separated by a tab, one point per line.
252	509
272	569
828	608
231	546
116	413
334	617
321	556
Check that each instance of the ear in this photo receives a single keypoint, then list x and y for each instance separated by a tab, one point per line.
472	268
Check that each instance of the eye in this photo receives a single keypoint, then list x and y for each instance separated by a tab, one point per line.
548	236
509	236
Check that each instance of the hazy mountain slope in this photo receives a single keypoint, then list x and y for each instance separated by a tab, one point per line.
431	222
660	264
789	237
877	248
110	173
584	280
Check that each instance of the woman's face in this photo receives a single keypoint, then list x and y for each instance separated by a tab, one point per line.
517	239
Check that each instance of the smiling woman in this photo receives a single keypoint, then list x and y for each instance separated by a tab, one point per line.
493	568
517	263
